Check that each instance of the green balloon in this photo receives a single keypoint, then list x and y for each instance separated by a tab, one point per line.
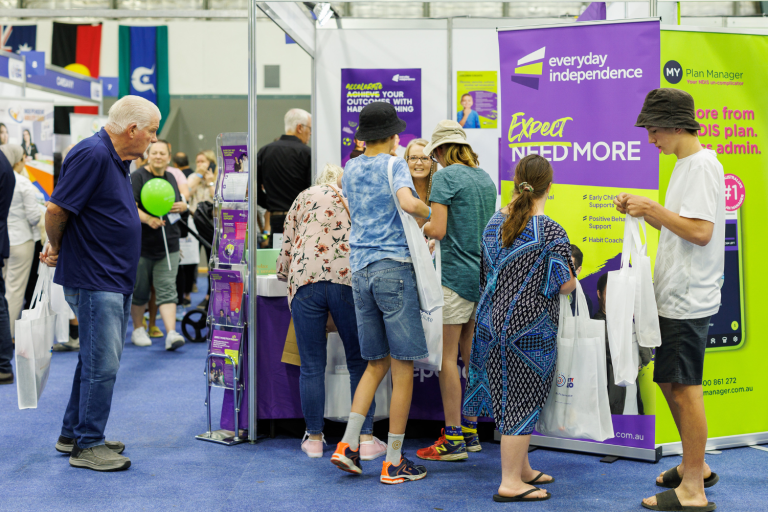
158	196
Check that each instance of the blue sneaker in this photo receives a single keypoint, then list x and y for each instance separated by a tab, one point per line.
347	459
403	472
472	439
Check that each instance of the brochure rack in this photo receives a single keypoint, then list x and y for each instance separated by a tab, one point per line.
228	270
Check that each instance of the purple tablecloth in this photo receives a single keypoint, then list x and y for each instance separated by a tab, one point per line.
277	389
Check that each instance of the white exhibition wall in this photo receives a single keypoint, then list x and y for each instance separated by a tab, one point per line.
426	48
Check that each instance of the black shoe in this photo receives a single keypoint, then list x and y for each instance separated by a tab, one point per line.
6	378
185	303
66	444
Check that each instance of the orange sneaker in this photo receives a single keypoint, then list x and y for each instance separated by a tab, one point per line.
445	448
347	459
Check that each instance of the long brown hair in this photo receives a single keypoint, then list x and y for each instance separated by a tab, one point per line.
533	175
460	154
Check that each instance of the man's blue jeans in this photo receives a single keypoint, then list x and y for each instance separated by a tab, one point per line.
103	319
6	344
310	307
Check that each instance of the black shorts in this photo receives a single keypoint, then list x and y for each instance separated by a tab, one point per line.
680	358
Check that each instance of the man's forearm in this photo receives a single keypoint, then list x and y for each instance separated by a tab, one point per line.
55	224
654	222
696	231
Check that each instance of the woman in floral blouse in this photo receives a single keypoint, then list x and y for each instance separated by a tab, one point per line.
315	262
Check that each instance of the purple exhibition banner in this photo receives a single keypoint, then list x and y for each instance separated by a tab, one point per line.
359	87
572	94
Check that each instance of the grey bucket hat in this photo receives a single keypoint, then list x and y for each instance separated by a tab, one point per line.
446	132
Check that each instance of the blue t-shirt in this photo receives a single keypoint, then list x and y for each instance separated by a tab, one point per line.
473	121
102	239
377	231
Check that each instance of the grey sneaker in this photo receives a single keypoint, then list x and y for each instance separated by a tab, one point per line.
98	458
65	445
73	345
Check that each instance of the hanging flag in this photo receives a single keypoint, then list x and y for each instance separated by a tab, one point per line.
76	48
144	65
594	12
18	38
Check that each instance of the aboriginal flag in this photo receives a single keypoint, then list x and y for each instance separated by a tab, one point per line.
74	44
144	65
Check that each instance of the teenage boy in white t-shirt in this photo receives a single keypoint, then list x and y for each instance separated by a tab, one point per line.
689	269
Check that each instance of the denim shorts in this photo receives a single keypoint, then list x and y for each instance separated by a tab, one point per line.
387	311
680	358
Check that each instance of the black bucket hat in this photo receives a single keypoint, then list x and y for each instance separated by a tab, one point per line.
668	108
378	120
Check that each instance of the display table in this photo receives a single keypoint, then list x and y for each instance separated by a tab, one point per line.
277	388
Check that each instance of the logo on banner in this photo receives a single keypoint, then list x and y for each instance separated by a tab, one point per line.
673	72
140	79
16	113
403	78
560	380
528	66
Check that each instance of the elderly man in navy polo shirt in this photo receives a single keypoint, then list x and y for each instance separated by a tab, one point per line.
94	235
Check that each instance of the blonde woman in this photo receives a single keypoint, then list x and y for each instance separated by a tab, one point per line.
422	168
315	262
463	200
201	182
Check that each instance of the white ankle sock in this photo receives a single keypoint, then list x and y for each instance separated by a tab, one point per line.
394	447
352	434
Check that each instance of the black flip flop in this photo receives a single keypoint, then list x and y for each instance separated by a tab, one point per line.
668	501
520	497
671	479
540	483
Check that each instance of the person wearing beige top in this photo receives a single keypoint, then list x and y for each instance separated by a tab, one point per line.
315	261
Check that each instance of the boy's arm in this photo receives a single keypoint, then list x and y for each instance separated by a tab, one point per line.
412	205
438	223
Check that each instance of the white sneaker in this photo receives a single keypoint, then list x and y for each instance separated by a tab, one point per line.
173	341
140	338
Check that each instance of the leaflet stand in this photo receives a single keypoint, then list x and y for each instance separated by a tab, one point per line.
229	280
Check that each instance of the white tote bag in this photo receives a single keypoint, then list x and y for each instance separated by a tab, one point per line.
338	395
427	281
646	312
619	312
433	328
577	406
34	339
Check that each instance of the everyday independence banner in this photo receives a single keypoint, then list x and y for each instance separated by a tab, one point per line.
400	87
572	95
727	76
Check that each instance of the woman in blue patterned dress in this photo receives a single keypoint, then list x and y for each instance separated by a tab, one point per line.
526	263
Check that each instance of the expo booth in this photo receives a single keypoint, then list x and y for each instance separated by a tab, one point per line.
27	101
570	91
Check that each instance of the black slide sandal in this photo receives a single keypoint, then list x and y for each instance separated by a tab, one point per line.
540	483
668	501
520	497
672	479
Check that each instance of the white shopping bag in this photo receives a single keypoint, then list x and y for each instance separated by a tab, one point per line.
34	339
577	406
63	312
433	328
646	312
619	312
427	281
338	394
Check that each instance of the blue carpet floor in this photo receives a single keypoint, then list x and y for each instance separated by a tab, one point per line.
158	409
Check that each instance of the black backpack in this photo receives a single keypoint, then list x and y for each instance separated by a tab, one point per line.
204	220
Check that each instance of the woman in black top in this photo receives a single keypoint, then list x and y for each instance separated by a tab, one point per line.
29	147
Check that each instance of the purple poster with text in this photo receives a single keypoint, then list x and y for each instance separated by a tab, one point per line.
572	94
359	87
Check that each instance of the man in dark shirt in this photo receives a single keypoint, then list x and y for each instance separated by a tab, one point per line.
153	265
285	167
7	184
94	235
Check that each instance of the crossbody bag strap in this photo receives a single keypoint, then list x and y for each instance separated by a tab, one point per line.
343	203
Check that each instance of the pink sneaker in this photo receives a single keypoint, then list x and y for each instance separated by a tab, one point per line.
370	450
312	447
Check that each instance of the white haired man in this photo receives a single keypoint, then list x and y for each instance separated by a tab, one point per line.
94	239
285	168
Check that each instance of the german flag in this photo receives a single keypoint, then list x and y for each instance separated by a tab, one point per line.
76	48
